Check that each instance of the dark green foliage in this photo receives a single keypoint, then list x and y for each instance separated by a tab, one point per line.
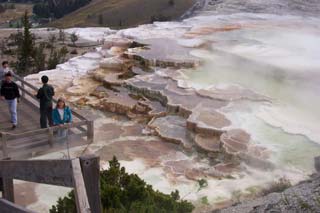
74	52
42	10
2	9
56	57
65	205
74	38
202	184
123	192
25	42
62	36
171	3
100	19
57	9
160	18
39	57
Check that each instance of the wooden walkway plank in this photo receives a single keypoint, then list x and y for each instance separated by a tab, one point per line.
79	188
9	207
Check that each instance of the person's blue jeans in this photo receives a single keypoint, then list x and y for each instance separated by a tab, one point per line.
12	104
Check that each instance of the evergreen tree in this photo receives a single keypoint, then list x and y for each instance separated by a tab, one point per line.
100	19
125	193
25	47
39	58
53	60
56	57
2	9
74	38
62	36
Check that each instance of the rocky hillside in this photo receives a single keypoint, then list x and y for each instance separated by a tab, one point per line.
124	13
304	197
288	7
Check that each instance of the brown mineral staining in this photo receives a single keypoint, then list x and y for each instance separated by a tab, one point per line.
208	143
82	86
207	121
156	109
117	42
133	130
235	141
130	85
202	31
109	132
231	93
113	63
163	53
143	148
194	174
172	129
108	78
120	103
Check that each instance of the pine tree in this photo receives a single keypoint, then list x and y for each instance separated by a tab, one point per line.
25	47
100	19
123	192
74	38
39	58
62	36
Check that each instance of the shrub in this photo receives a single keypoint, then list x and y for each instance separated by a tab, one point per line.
277	186
74	52
123	192
74	38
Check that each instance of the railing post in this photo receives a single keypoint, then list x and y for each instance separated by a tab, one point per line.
50	136
90	131
4	139
23	93
7	188
91	175
80	192
8	191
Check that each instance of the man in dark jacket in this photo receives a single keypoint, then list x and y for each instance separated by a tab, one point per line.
45	95
10	93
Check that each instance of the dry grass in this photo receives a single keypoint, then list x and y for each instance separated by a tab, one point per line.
14	14
123	13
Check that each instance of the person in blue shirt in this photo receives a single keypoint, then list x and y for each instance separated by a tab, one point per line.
61	115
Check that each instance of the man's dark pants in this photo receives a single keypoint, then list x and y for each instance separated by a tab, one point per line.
45	116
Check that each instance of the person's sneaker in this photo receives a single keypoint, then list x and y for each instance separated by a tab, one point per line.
14	127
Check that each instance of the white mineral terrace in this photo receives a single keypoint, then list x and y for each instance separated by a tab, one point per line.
232	98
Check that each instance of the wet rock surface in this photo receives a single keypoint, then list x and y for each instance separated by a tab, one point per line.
303	197
173	129
163	52
136	85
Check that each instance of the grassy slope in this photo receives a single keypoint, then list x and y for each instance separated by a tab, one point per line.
128	12
14	14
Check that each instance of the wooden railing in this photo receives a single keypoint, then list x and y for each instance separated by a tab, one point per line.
8	145
80	127
28	92
82	174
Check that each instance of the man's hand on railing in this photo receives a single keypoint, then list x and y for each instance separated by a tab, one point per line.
2	98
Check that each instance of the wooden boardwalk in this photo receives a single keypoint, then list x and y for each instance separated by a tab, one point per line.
28	118
28	139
